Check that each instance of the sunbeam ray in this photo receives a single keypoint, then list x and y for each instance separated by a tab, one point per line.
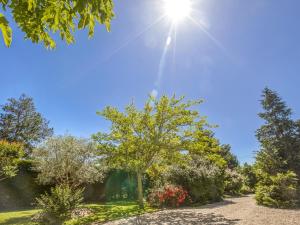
206	32
135	37
174	48
162	61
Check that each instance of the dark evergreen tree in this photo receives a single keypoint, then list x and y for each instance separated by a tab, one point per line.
20	122
277	162
230	158
279	136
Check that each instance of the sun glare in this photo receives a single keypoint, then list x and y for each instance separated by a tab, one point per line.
177	10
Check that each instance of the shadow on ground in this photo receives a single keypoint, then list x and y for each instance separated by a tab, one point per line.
180	217
217	205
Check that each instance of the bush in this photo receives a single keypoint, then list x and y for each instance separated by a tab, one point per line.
278	191
58	205
249	178
246	190
203	180
10	155
233	182
168	196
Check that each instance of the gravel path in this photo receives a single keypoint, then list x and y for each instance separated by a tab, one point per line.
233	211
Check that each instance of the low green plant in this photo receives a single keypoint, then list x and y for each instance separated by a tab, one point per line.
278	191
58	205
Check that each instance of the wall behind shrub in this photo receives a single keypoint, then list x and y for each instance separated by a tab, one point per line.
21	190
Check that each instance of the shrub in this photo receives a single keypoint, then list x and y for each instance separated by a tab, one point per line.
168	196
233	182
278	191
246	190
203	180
59	204
249	178
10	155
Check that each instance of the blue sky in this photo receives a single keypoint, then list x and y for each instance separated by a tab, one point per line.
256	44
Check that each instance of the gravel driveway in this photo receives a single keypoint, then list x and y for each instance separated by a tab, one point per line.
230	212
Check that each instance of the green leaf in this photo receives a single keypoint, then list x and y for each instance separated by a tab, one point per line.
6	30
31	5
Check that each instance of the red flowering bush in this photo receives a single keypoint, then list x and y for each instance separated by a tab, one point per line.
168	196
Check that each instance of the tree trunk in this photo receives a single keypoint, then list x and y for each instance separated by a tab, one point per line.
140	189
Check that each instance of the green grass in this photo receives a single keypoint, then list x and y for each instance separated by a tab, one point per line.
17	217
102	212
111	211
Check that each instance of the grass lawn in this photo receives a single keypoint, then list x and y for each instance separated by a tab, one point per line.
17	217
102	212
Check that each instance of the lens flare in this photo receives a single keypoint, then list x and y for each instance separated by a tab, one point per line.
177	10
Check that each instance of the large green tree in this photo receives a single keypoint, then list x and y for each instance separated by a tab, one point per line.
278	161
39	19
158	133
278	136
20	122
10	156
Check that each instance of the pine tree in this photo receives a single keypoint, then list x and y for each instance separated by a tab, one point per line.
278	136
277	163
20	122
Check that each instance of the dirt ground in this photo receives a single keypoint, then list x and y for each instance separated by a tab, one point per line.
233	211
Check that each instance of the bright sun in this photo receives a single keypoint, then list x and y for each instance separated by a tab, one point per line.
177	10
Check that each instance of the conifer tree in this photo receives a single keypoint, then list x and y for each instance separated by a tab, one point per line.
277	162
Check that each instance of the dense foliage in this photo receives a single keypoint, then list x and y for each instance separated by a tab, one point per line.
58	205
279	157
233	179
38	19
249	178
233	182
10	155
20	122
203	179
278	191
67	160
